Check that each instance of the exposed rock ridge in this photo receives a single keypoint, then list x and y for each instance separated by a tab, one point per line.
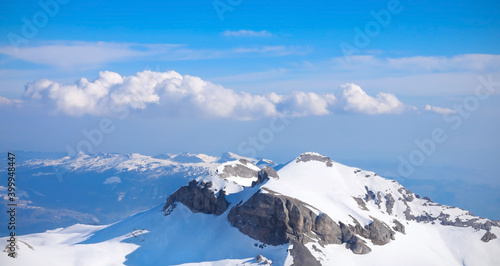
405	196
264	175
277	219
306	157
198	198
445	218
239	169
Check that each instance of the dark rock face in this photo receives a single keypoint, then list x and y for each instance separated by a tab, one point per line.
370	195
361	203
408	195
264	175
488	236
353	242
379	232
198	199
398	227
301	255
389	203
328	230
313	157
277	219
239	170
263	260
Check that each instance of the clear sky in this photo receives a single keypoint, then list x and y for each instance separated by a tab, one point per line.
406	88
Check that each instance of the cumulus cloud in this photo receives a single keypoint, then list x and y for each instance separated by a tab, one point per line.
171	94
356	100
174	95
439	110
247	33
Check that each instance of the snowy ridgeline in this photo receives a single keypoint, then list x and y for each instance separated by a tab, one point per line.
239	211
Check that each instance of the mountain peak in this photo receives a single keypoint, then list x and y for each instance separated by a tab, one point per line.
314	156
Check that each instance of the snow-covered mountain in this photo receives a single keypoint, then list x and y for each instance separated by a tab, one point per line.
312	211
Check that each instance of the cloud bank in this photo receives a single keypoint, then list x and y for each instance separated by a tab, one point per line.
175	95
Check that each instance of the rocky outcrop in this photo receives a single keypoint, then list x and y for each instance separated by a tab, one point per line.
389	203
407	194
198	198
353	242
263	260
361	203
264	175
488	236
301	255
277	219
306	157
379	232
370	195
239	169
398	227
328	231
444	219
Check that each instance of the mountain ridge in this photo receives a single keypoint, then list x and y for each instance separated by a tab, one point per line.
312	211
298	222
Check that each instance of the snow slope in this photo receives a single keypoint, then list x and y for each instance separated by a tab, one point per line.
147	238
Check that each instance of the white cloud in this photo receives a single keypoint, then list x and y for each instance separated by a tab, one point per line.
73	54
247	33
171	94
439	110
174	95
301	103
356	100
88	55
421	64
9	102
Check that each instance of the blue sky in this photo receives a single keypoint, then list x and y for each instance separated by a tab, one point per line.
238	68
